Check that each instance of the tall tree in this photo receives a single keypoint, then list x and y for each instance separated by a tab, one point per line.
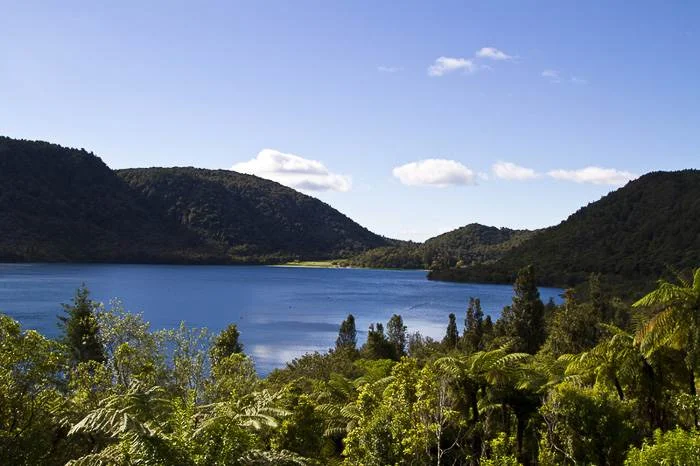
377	346
524	319
396	334
452	335
472	337
80	328
595	294
573	327
488	331
226	343
347	335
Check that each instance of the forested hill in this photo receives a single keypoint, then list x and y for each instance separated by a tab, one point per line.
250	216
470	244
632	235
476	243
61	204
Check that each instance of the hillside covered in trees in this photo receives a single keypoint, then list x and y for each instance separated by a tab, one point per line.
248	216
467	245
60	204
596	382
643	230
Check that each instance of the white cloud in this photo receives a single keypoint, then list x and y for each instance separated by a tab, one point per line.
552	75
594	175
389	69
511	171
293	171
444	65
493	54
435	172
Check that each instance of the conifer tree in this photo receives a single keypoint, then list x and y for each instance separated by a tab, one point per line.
601	305
488	332
347	334
524	319
473	327
452	335
226	343
396	334
80	328
377	346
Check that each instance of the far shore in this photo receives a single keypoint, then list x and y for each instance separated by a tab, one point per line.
332	264
329	264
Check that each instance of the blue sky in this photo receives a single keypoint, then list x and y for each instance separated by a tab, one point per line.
508	102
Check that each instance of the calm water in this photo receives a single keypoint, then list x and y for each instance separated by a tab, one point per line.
282	312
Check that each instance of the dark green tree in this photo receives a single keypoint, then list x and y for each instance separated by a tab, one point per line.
595	295
472	337
452	335
80	328
377	346
226	343
573	327
396	334
347	335
524	321
488	332
549	309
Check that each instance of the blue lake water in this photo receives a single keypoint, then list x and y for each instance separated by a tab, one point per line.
281	312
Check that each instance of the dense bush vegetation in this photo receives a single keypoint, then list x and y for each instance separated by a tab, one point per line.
59	204
594	382
630	236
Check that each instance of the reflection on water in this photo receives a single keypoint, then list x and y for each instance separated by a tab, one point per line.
282	312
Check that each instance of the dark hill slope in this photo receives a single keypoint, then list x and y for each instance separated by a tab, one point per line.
631	236
470	244
250	216
59	204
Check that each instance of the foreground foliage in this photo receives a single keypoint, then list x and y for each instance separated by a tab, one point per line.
590	381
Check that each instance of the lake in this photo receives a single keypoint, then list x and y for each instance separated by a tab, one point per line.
281	312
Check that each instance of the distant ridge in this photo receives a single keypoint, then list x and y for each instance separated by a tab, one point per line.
631	236
61	204
248	216
470	244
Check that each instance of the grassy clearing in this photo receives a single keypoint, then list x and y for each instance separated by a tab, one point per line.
317	264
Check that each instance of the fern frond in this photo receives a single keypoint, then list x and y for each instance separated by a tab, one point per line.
664	295
111	422
272	458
